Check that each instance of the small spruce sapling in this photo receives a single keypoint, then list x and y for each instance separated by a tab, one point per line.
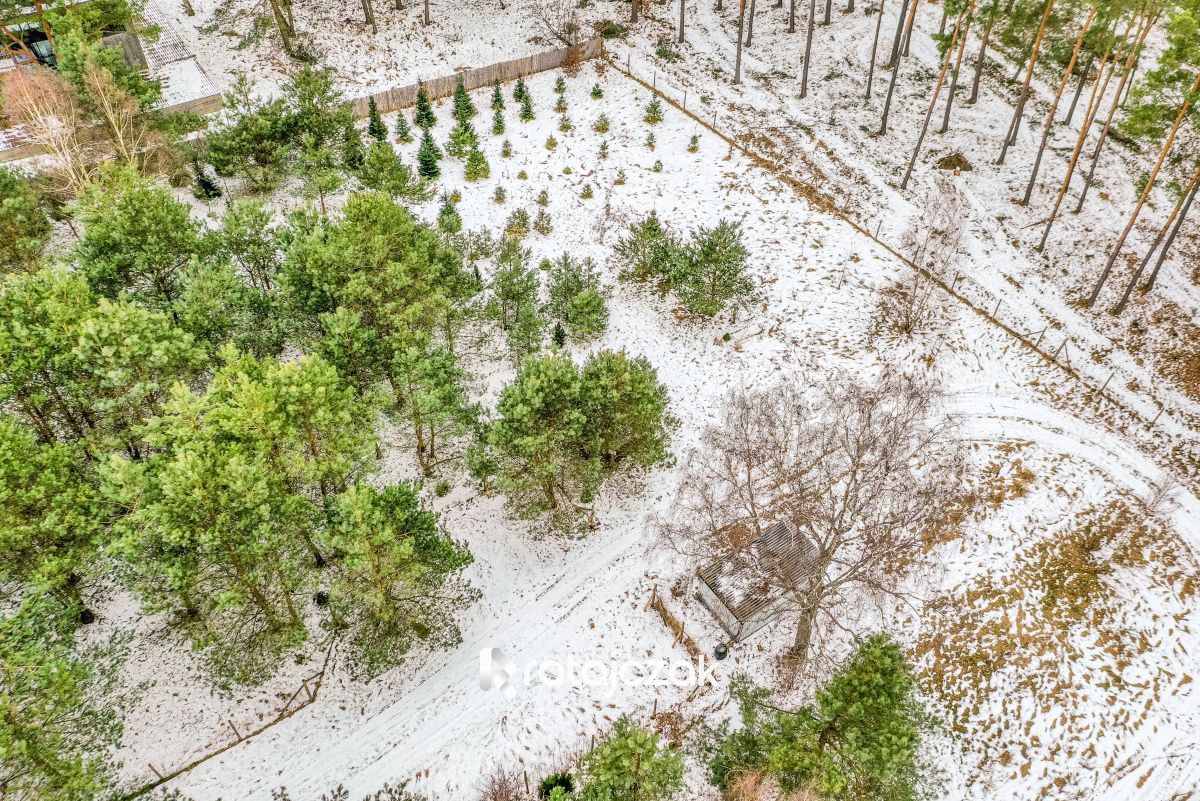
353	151
449	220
543	199
427	159
526	109
203	187
541	222
651	141
423	116
497	97
620	179
464	109
499	195
658	166
601	125
522	176
560	107
587	192
506	149
597	92
517	225
498	122
560	85
375	124
551	142
604	149
477	166
694	143
519	91
654	112
403	132
564	124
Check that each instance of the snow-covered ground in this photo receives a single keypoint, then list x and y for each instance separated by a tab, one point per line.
1122	725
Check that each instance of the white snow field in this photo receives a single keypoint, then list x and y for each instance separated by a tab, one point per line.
1033	704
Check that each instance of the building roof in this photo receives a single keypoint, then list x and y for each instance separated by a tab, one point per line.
748	579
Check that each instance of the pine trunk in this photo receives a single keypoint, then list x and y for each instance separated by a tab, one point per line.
1112	110
908	29
1170	226
1011	138
979	62
1162	256
887	103
737	60
1083	76
1062	87
1184	107
893	59
1098	90
812	13
682	6
962	49
750	23
960	28
874	50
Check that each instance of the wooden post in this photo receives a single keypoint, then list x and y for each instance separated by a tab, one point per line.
1060	348
1039	339
654	708
236	733
1155	420
156	773
526	773
997	311
1110	377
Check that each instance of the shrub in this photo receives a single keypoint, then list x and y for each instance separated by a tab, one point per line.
560	107
522	175
560	85
604	149
551	142
664	48
506	149
651	141
462	140
543	198
499	195
587	192
564	124
601	125
647	252
620	179
560	780
710	272
24	227
658	166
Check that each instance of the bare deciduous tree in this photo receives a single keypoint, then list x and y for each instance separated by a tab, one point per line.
860	469
560	19
935	238
46	108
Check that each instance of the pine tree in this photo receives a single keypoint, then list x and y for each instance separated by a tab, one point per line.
424	117
318	169
560	85
449	220
597	92
375	124
519	91
24	226
403	132
526	108
477	167
464	109
353	151
427	159
398	579
576	298
247	238
383	171
137	240
647	253
631	765
498	122
710	272
57	737
497	97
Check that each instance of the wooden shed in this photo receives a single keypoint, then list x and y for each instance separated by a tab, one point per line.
746	588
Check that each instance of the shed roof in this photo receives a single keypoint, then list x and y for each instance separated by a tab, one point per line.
739	579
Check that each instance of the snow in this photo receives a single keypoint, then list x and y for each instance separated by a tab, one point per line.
547	597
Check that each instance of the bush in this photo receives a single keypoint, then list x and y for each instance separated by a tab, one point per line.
710	272
560	780
630	763
608	29
664	48
462	140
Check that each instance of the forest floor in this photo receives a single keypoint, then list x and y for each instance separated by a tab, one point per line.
1053	629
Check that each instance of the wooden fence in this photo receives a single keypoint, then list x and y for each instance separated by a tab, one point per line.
503	71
